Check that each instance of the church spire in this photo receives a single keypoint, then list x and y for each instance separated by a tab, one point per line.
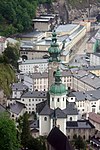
58	76
54	49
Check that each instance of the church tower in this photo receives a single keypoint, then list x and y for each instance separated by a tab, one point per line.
58	92
54	59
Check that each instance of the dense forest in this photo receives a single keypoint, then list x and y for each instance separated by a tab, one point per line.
16	15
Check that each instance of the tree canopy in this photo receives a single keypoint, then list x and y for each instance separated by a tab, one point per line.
16	15
11	55
8	133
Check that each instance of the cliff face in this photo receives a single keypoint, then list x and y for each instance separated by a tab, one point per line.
71	9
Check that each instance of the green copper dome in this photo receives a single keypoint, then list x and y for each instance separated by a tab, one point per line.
58	88
54	49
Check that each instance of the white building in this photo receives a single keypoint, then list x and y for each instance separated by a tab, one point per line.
62	114
31	99
18	89
17	109
95	59
87	101
31	66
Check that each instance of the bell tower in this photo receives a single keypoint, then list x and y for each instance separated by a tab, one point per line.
54	60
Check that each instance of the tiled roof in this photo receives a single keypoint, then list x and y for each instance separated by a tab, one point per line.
94	117
58	140
70	109
58	113
34	124
17	107
19	87
92	95
35	94
46	110
80	124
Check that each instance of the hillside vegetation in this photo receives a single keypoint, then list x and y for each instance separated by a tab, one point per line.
7	76
16	15
8	63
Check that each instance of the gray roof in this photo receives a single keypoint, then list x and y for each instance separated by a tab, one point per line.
80	124
31	34
19	87
17	107
35	94
87	95
39	75
66	28
58	113
34	124
88	78
34	61
46	110
92	68
70	109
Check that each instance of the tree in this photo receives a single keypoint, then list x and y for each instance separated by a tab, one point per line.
79	143
11	54
8	133
25	135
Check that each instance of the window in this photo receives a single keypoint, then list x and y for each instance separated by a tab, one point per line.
71	98
45	118
63	98
68	137
22	99
29	100
70	118
57	99
32	99
52	98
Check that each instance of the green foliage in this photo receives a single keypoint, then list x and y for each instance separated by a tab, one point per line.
37	144
79	143
26	139
15	15
25	135
8	134
7	76
11	54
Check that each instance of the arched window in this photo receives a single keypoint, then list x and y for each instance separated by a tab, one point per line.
70	118
57	99
45	118
84	137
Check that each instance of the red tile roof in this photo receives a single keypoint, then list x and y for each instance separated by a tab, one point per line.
94	117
